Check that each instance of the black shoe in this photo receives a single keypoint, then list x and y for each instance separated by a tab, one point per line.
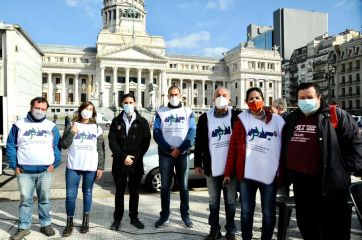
213	235
161	222
69	228
47	230
115	225
188	222
230	236
20	234
137	223
85	224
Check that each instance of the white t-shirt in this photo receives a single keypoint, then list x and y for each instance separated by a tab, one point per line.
82	154
263	145
35	143
219	140
174	124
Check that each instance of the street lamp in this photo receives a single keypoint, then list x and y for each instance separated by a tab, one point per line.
329	73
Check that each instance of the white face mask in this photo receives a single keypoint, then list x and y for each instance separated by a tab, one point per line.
86	114
174	101
38	114
221	102
128	108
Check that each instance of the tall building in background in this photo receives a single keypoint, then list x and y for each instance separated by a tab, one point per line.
261	36
295	28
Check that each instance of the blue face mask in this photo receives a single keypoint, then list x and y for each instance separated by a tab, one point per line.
307	106
128	108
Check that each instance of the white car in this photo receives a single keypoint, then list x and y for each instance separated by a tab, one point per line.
152	177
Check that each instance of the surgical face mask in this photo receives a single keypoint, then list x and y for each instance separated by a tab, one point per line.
256	105
38	114
86	114
221	102
174	101
128	108
307	106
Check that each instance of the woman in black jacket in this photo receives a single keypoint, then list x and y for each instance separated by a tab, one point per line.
129	139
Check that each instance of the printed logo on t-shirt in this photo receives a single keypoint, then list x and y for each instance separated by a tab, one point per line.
174	119
219	131
302	133
84	135
32	132
255	132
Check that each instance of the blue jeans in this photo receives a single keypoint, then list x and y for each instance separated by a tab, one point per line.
27	182
167	164
248	190
214	187
72	178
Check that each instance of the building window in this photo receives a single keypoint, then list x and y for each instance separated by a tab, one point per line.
183	85
236	100
350	78
70	81
205	86
350	104
205	101
343	67
357	77
350	91
236	84
143	80
270	101
44	95
121	79
57	81
270	85
195	85
108	79
358	105
250	84
343	104
357	64
350	66
343	79
45	80
260	84
343	92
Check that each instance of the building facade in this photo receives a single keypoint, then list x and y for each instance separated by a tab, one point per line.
20	72
127	59
293	28
309	63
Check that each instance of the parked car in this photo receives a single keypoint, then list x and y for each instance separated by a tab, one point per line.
152	177
101	119
358	120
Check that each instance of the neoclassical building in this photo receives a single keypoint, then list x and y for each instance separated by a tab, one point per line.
127	59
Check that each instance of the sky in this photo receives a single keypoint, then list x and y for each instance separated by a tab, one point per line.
190	27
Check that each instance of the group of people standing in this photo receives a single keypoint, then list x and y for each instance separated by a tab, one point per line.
237	151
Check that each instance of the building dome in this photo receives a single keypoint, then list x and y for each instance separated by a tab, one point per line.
124	16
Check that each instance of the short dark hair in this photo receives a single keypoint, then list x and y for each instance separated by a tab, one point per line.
38	100
127	96
173	87
252	90
307	85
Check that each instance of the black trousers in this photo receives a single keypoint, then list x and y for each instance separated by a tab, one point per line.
320	217
120	181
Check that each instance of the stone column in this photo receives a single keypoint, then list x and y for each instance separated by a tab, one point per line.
164	87
203	93
102	91
50	89
114	86
192	93
181	89
169	83
153	93
76	91
126	89
159	90
139	90
89	86
64	90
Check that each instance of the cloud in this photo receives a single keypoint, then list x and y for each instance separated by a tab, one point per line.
189	5
348	4
191	41
219	4
90	7
213	52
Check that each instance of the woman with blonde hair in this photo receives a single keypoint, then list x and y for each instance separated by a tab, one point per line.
84	141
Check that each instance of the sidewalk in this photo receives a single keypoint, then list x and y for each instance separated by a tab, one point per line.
102	216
